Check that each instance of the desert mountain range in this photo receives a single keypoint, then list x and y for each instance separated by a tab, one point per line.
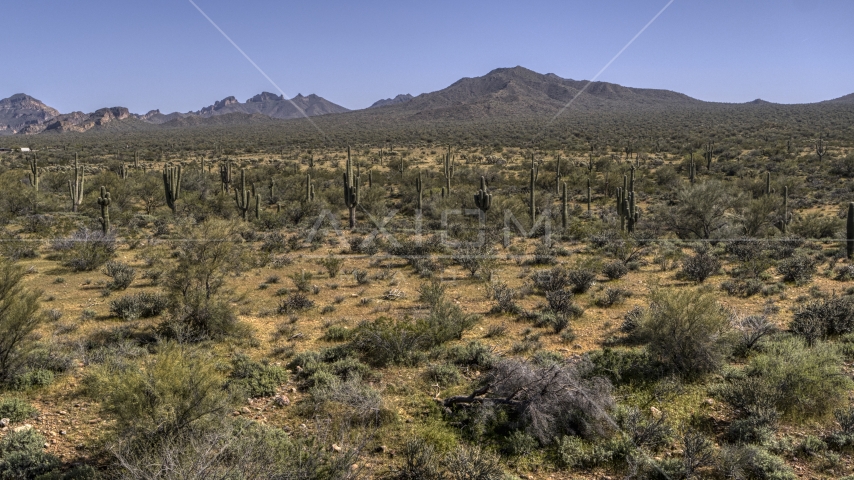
501	93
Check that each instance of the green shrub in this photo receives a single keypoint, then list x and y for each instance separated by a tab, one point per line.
332	264
256	379
171	391
19	318
472	354
473	463
686	330
698	267
22	455
820	318
387	340
556	278
581	279
444	375
139	305
337	333
799	381
33	378
295	302
121	273
615	270
86	250
798	269
16	410
576	453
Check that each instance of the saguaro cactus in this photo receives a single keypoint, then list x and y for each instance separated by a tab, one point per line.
242	195
35	172
692	169
419	188
309	188
557	177
104	201
564	211
75	187
531	194
767	183
448	171
225	176
820	148
707	154
483	199
172	186
849	229
123	172
136	159
351	190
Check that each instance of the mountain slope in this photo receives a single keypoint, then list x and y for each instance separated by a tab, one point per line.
20	111
509	92
402	98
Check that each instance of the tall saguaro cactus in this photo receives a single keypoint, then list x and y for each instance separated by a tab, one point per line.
820	148
242	197
557	177
309	189
531	194
483	199
849	230
351	190
35	172
75	187
448	168
707	154
104	202
564	211
419	189
767	183
225	176
124	172
172	186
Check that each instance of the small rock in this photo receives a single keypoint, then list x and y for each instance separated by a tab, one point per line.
94	421
4	422
336	448
282	401
302	426
63	432
46	445
246	410
354	466
63	412
656	413
709	402
381	449
293	390
23	428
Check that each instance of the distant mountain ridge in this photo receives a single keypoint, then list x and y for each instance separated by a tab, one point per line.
274	106
402	98
507	93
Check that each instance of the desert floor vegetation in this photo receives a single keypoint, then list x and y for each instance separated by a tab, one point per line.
671	308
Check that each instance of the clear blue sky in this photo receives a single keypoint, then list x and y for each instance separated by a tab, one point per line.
87	54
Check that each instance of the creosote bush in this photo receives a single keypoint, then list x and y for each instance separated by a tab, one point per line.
700	266
686	329
139	305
